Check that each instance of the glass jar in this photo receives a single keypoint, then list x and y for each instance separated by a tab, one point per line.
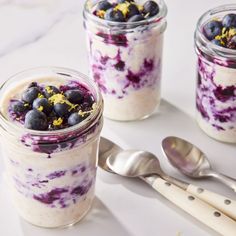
51	174
216	82
126	62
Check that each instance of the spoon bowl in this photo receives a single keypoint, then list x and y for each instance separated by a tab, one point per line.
186	157
191	161
134	163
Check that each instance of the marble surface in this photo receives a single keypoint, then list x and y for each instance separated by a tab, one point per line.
50	32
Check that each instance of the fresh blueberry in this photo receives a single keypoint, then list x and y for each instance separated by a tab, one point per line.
132	10
151	8
74	119
42	104
62	109
19	107
36	120
103	5
33	84
232	43
50	90
75	96
136	18
212	29
88	101
30	94
229	20
114	15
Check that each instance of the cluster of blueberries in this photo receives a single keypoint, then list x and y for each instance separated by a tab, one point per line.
222	32
126	10
51	108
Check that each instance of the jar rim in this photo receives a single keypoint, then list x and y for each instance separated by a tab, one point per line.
62	71
220	51
129	25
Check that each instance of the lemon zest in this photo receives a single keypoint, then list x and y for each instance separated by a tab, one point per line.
100	13
49	90
60	98
57	98
40	95
140	7
58	121
84	113
40	108
225	35
232	32
123	7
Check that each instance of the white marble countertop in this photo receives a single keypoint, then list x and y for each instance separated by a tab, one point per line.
50	32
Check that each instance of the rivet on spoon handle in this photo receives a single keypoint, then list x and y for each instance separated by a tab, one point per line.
222	203
200	210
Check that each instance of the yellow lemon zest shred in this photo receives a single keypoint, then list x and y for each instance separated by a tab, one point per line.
40	108
57	98
84	113
140	7
58	121
123	7
60	98
100	13
226	34
49	90
40	95
232	32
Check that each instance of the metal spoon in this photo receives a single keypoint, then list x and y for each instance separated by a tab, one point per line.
140	164
151	165
191	161
107	148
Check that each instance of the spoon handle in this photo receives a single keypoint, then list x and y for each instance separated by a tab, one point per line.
222	203
195	207
230	182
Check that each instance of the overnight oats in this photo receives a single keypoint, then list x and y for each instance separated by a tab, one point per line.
125	41
50	121
215	44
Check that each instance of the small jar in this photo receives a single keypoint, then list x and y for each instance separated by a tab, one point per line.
216	82
126	62
50	174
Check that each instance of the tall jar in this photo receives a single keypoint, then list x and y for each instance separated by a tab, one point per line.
126	62
216	82
50	174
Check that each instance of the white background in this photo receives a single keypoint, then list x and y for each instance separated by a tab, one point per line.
42	33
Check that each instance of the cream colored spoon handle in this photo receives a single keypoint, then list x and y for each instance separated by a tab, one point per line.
222	203
200	210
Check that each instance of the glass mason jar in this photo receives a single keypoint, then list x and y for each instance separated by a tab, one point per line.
50	174
126	61
216	82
